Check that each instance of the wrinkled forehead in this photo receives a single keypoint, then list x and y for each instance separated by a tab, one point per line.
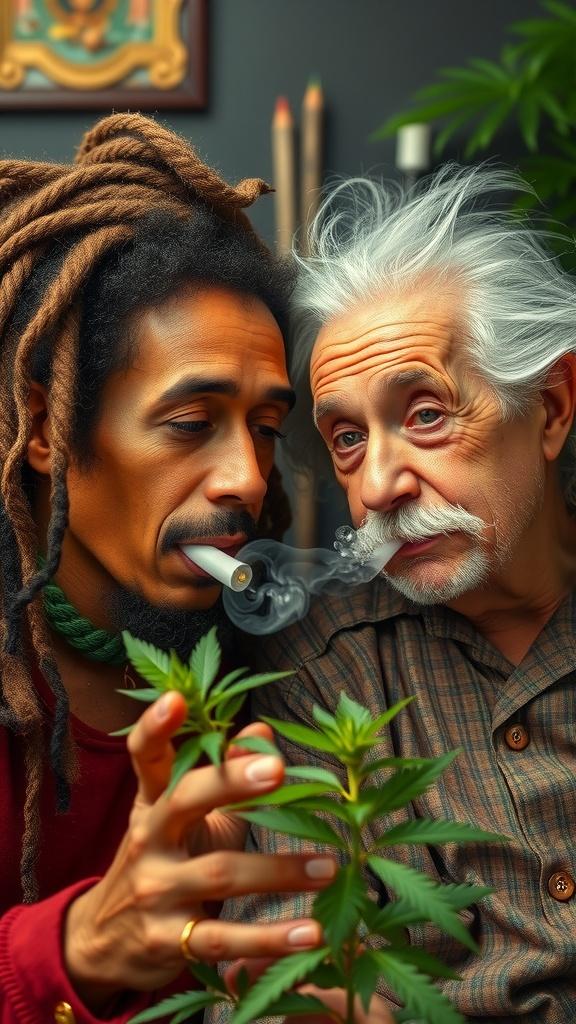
420	332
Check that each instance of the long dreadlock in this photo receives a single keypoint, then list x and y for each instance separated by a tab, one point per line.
72	219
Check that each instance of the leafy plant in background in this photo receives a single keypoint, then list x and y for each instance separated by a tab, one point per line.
348	916
532	87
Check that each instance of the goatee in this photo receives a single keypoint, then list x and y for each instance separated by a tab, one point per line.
165	627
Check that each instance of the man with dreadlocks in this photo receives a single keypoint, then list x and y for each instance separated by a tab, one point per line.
143	383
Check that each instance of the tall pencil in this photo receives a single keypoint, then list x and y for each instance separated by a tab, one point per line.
311	155
284	171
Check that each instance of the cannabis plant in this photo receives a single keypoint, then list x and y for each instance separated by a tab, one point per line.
530	88
363	942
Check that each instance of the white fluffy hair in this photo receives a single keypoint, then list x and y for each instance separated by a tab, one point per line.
453	230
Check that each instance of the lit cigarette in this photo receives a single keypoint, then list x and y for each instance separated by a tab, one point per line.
227	570
384	552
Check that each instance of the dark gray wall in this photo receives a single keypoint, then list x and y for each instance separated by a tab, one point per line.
370	55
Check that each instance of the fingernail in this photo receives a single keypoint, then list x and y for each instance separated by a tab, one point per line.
162	707
303	935
320	867
265	769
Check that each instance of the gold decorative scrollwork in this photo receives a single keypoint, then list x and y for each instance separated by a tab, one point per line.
164	56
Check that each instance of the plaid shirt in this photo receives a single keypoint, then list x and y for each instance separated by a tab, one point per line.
379	648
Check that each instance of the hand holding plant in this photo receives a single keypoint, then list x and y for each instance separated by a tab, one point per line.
364	942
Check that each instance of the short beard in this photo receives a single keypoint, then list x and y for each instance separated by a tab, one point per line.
470	575
165	627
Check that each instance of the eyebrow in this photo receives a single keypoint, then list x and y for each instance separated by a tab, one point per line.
202	385
402	379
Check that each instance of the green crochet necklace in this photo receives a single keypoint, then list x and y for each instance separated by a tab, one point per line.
96	644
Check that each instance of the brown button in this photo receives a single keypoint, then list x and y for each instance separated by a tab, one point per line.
517	736
64	1014
561	886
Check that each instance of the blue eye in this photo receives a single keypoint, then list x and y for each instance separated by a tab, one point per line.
349	439
423	418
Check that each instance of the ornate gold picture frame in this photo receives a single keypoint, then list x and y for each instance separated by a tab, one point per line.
126	54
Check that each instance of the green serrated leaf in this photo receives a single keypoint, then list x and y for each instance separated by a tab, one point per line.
390	918
326	975
147	696
255	745
350	709
276	980
343	811
225	712
302	734
315	775
123	732
293	1004
404	786
186	757
426	962
150	663
339	905
262	679
448	131
209	977
231	677
460	895
205	660
380	721
211	743
424	895
183	1001
431	832
284	795
487	127
365	975
421	997
295	823
529	119
395	762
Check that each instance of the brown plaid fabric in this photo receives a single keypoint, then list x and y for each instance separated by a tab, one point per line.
379	648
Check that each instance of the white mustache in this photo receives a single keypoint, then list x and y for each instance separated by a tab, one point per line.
414	522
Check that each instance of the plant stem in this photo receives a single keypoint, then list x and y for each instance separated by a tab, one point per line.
354	781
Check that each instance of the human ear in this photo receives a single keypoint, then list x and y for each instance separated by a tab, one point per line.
39	455
559	402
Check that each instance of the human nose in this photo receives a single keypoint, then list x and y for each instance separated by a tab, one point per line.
236	475
388	478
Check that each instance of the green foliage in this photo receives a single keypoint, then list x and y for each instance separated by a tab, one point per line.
212	706
363	941
531	89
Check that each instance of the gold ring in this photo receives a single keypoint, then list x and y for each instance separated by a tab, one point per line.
184	937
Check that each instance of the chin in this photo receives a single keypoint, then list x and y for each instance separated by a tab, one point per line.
429	583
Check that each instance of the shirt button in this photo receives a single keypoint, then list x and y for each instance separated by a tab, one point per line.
64	1014
561	886
517	736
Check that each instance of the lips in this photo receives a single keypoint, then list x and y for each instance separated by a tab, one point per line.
415	547
229	545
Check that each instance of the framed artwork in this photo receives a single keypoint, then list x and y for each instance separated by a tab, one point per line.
125	54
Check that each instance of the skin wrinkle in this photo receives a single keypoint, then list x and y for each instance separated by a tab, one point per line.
499	470
154	475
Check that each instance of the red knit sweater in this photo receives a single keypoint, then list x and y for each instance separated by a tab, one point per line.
76	849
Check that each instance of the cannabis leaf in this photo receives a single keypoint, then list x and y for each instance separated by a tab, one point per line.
364	942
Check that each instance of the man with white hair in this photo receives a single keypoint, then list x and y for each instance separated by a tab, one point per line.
438	335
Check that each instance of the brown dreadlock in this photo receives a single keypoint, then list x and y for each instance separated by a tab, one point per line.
126	167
